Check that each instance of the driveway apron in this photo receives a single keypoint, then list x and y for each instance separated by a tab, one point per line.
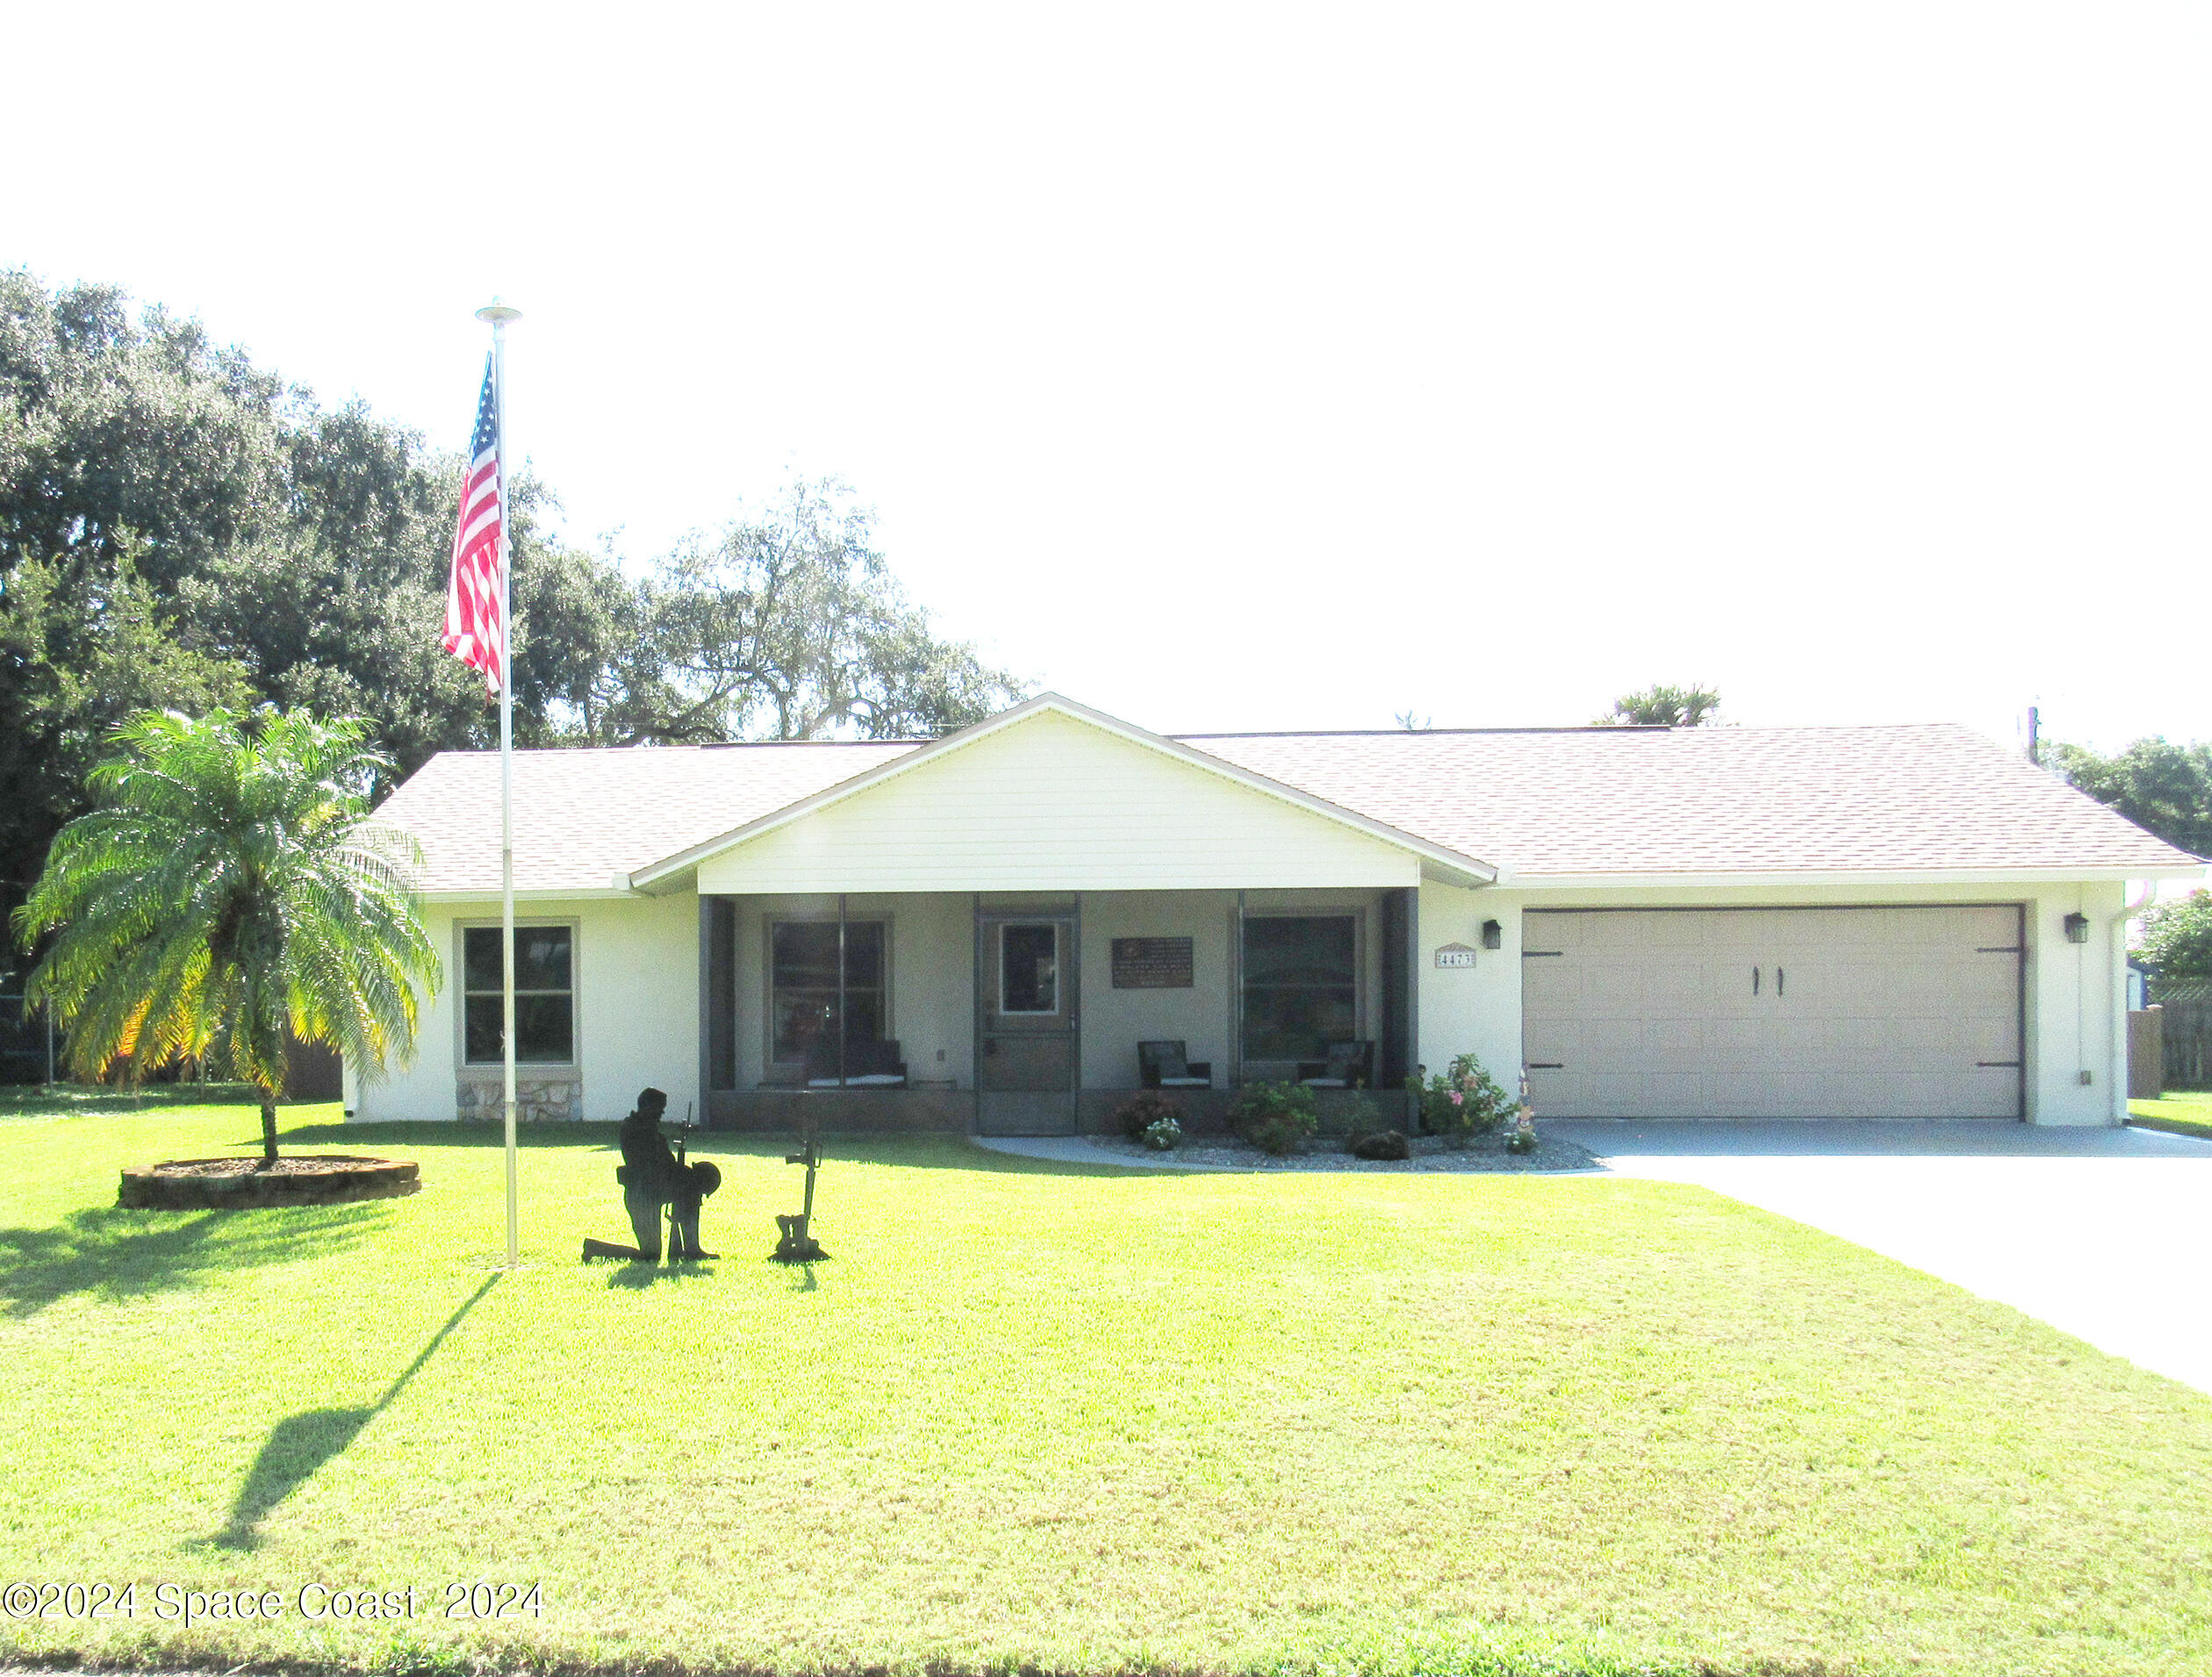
2099	1232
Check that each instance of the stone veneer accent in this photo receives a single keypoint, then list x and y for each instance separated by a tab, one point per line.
538	1100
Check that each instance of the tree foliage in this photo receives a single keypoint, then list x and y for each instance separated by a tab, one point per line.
1691	706
2177	937
179	529
87	643
228	888
2163	787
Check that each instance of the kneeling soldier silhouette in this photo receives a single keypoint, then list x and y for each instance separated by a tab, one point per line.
653	1175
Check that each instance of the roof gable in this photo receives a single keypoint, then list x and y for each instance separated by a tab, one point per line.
1052	795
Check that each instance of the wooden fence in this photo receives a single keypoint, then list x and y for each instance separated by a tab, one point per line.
2186	1028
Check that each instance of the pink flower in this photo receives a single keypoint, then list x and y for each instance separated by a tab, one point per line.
1458	1100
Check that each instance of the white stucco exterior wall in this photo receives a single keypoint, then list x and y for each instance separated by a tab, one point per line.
2076	997
637	976
637	967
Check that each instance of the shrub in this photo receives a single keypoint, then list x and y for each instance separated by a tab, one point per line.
2177	937
1136	1115
1359	1114
1163	1135
1463	1103
1276	1118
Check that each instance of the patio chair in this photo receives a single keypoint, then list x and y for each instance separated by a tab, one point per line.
1350	1066
1161	1065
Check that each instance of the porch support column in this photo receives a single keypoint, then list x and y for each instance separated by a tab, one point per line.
845	1028
717	1002
1237	999
975	1011
706	1003
1401	987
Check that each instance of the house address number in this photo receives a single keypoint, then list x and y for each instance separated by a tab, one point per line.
1152	964
1456	955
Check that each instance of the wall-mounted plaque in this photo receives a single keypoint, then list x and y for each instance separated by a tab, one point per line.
1455	954
1152	964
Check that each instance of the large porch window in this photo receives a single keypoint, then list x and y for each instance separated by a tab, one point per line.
1301	989
802	985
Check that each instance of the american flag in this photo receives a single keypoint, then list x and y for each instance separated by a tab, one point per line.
474	631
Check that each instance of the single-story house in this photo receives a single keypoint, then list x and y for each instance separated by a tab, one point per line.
975	934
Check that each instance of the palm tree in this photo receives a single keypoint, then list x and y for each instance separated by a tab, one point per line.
229	884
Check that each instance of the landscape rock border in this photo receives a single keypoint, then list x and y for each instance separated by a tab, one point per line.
234	1184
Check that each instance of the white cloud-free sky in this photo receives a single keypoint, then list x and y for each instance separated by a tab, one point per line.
1264	366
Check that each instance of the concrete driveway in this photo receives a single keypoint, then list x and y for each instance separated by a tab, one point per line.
2104	1233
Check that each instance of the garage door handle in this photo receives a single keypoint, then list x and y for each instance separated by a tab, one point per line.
1754	981
1777	981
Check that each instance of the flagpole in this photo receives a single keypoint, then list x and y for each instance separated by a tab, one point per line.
498	314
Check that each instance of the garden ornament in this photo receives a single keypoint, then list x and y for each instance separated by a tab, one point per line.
796	1244
653	1174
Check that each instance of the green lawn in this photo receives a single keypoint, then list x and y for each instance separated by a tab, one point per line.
2186	1112
1036	1418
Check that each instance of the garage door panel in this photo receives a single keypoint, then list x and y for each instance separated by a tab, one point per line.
1904	1012
1671	1046
1550	989
1614	987
1610	1046
1652	1096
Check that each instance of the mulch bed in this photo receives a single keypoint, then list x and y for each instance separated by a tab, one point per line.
1326	1153
295	1179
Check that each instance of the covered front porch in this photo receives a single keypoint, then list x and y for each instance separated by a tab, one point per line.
977	937
1039	1012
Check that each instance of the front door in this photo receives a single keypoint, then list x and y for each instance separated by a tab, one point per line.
1025	1000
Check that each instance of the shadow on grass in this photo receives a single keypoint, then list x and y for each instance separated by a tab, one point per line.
73	1099
299	1445
925	1152
908	1152
116	1254
637	1275
453	1133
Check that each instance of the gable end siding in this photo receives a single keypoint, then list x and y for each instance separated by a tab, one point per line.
1051	804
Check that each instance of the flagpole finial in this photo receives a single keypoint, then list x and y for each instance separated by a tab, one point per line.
496	313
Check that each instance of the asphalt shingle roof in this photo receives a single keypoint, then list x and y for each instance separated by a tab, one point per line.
1711	799
581	817
1557	803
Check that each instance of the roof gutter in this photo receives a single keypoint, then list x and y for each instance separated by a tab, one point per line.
1709	880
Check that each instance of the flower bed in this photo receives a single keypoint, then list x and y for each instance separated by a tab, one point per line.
309	1179
1430	1153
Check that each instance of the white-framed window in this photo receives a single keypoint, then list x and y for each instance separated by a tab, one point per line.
1029	968
803	1023
544	994
1301	985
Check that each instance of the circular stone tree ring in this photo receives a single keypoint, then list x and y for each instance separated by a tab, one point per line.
239	1184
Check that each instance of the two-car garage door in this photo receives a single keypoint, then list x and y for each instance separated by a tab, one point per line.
1773	1012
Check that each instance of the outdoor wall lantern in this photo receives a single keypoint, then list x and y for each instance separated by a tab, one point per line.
1493	935
2077	929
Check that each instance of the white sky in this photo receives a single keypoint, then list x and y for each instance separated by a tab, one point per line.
1264	366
